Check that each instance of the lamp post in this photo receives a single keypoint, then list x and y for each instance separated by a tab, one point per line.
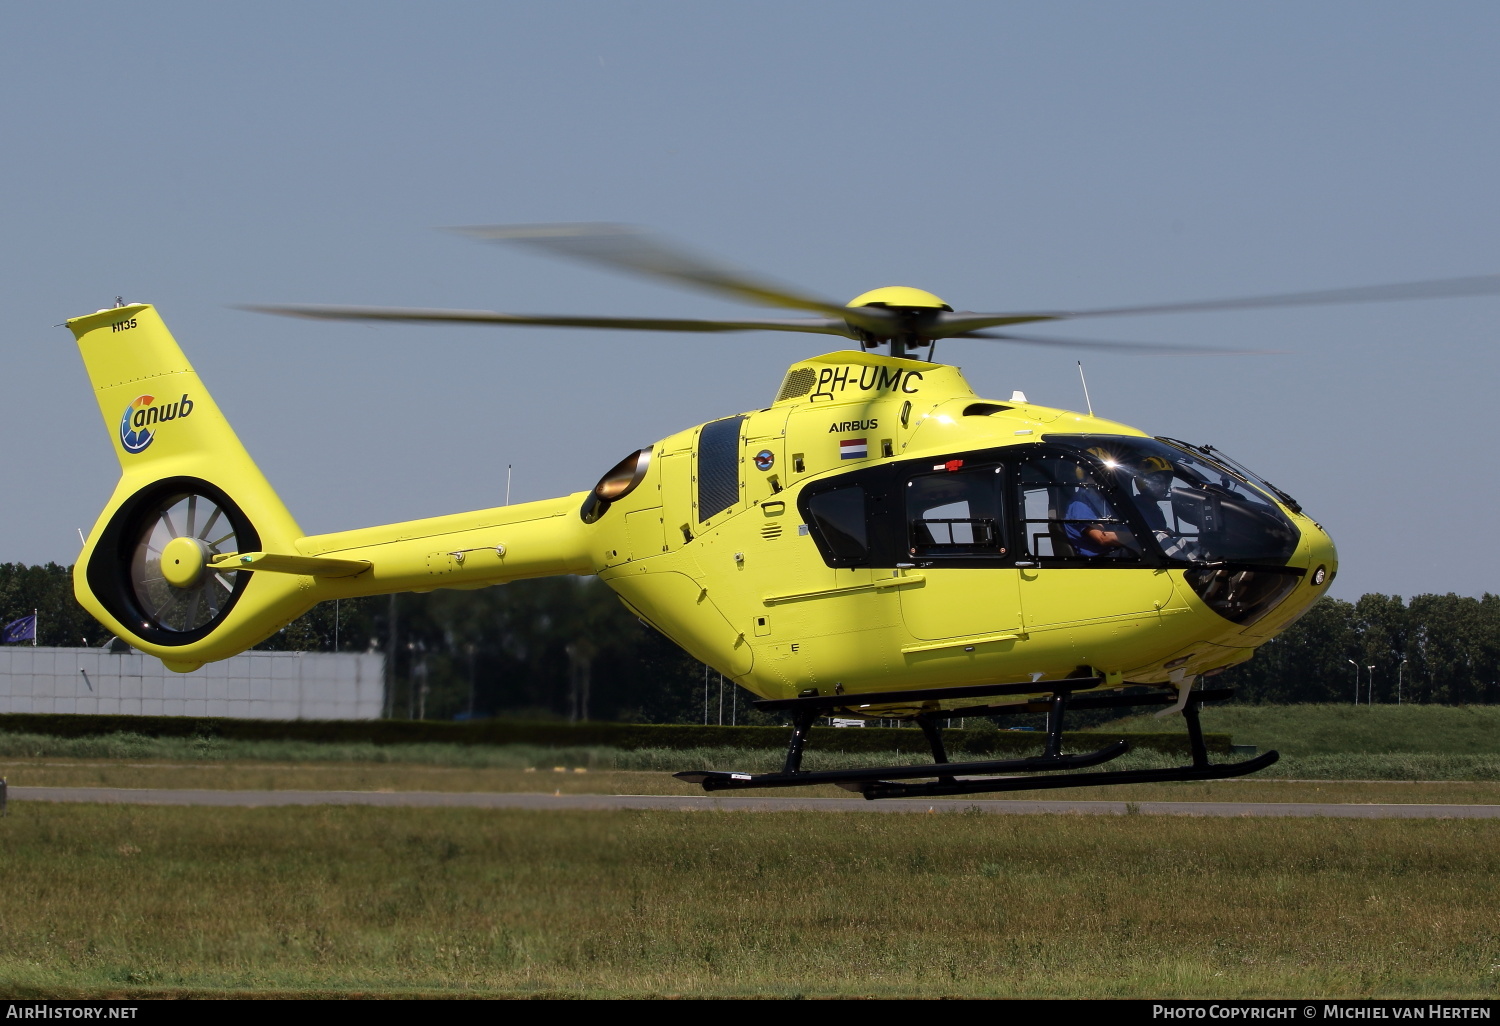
469	651
1352	663
411	681
1370	687
1400	673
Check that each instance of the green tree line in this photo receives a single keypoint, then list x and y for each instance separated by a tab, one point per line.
566	647
1434	648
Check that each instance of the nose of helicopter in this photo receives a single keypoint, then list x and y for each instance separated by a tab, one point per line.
1317	555
1264	601
1318	560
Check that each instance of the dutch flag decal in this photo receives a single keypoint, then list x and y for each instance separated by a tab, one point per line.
853	449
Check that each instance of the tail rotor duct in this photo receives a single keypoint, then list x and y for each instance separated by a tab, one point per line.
170	576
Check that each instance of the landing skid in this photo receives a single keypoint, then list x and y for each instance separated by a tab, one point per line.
875	776
954	778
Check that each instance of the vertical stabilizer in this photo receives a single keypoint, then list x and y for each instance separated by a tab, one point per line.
188	494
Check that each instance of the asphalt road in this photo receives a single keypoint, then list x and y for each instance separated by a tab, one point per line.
730	803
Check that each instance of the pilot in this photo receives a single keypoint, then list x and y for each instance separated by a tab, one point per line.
1153	486
1153	483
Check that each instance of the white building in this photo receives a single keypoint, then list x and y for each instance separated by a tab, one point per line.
254	685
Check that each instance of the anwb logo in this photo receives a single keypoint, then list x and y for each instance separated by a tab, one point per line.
137	426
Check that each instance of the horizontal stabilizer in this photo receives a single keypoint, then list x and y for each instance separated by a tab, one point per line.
272	562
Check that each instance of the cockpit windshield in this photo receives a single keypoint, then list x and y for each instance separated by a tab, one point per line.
1235	467
1197	509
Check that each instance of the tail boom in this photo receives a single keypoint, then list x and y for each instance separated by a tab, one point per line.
466	550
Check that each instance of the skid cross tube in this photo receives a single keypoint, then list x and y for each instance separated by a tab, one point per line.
1055	710
1195	734
802	721
934	735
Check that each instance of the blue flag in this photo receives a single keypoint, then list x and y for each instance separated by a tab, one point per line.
23	629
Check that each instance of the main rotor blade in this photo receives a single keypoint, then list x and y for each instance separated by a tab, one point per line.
817	325
948	324
1133	348
623	247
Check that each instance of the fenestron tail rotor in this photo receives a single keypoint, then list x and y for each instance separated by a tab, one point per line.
904	318
171	579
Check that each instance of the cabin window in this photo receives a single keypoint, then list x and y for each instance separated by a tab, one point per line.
838	520
955	513
718	466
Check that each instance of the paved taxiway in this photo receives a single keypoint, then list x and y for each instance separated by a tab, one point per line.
732	803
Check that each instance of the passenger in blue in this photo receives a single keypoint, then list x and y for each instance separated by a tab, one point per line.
1093	529
1089	526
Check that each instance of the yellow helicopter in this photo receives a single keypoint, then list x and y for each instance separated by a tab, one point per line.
876	541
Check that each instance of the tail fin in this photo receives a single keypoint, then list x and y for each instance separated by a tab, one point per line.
188	494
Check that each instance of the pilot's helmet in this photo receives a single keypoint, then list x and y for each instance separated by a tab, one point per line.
1153	477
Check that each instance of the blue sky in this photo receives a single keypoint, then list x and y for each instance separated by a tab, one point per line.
1002	155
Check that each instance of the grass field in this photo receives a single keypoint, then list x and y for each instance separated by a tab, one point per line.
1317	742
124	900
340	900
268	776
1321	730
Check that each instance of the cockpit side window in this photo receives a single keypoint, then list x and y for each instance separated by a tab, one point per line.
956	513
1068	515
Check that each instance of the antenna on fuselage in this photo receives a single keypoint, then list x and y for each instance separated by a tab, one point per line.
1086	400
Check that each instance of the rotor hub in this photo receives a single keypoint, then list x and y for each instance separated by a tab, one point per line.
898	297
183	561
